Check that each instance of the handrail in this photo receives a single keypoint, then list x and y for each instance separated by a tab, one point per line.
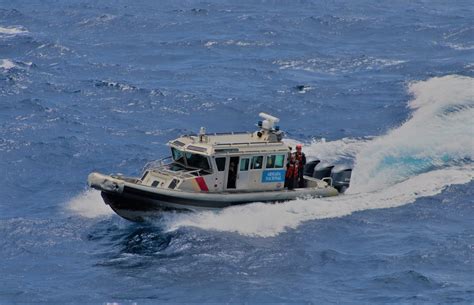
218	133
161	166
179	174
247	143
157	163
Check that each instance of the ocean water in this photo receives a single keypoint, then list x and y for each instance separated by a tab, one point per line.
385	87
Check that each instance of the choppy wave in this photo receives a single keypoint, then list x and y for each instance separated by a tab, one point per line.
460	47
337	65
98	21
12	30
126	87
239	43
7	64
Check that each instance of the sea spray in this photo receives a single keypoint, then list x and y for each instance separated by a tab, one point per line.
439	133
89	204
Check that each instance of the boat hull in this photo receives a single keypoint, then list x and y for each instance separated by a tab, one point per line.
138	205
137	202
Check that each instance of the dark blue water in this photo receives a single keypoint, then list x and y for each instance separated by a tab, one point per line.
102	86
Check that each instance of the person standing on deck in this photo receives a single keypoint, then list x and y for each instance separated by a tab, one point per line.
291	177
301	161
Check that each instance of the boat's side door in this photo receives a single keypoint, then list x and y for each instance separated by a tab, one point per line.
232	172
243	174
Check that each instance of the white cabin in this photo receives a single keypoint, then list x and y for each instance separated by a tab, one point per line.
224	162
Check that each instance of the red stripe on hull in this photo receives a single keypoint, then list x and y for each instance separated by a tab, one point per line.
202	184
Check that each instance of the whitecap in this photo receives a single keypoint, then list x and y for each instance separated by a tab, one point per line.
339	65
7	64
12	30
460	47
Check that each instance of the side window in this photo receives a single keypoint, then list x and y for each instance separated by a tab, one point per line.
270	161
244	165
279	159
257	162
220	162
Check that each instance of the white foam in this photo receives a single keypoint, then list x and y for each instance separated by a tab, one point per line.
267	220
7	64
89	204
439	133
211	43
334	151
12	30
460	47
334	65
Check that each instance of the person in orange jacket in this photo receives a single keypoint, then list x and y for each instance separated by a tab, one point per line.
291	177
301	160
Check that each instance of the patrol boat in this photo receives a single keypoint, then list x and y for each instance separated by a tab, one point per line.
210	171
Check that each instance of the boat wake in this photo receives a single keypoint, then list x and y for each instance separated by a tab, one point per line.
267	220
437	135
433	149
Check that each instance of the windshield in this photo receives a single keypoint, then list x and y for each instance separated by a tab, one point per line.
197	161
178	155
190	159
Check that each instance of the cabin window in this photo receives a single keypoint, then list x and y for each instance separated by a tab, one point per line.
197	161
257	162
173	184
279	161
244	165
178	155
275	161
270	162
220	162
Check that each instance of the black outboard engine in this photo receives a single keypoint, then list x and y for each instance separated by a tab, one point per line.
341	179
308	169
321	172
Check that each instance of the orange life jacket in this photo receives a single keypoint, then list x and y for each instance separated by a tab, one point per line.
299	157
292	170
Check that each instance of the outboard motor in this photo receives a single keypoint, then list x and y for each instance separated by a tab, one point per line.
341	179
321	172
308	169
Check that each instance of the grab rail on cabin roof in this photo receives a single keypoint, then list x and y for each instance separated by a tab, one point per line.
248	143
178	174
157	163
218	133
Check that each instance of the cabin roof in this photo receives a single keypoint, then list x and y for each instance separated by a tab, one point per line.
235	143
